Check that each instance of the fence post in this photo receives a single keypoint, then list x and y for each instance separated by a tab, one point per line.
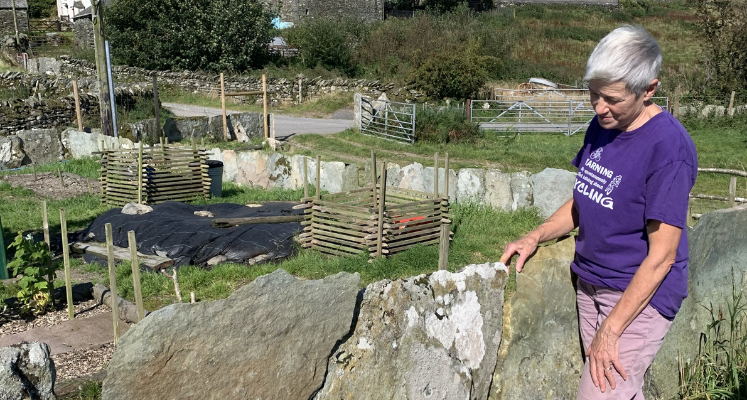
732	190
140	174
382	204
77	105
300	97
435	175
570	116
318	193
468	110
47	242
223	106
66	262
731	104
112	279
305	177
264	102
135	263
157	106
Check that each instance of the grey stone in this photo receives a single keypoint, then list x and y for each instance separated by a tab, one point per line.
268	340
145	130
498	189
245	126
338	177
470	185
26	371
11	152
427	337
411	177
43	65
230	166
718	263
181	128
552	188
136	209
393	174
79	144
521	190
252	168
279	171
42	146
540	356
428	181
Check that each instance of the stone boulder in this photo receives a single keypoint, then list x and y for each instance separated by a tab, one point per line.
180	128
540	356
42	146
521	190
470	185
337	176
427	337
428	181
270	339
11	152
26	371
718	263
411	177
498	189
552	188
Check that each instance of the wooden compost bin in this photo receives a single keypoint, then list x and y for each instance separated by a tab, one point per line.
380	222
154	175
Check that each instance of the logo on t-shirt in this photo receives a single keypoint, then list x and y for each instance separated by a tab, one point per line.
597	154
615	183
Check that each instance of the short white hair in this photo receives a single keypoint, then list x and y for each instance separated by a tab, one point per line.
627	54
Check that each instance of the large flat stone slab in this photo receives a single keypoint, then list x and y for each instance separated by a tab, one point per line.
268	340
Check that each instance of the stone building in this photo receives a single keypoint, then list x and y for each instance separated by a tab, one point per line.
296	10
68	9
6	16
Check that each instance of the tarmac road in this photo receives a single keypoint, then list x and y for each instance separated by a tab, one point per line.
285	126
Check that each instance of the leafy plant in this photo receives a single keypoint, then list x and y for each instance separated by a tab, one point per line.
445	125
328	43
214	35
32	260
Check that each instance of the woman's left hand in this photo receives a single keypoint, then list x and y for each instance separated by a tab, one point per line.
603	356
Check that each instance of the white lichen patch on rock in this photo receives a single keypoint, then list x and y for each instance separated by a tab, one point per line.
430	336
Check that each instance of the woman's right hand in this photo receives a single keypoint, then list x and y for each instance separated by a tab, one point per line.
524	247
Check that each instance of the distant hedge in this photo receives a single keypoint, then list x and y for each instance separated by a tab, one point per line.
211	35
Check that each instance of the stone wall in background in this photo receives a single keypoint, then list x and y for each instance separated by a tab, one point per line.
6	20
83	29
279	89
33	113
505	191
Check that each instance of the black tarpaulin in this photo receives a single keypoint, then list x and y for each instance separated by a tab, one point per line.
173	230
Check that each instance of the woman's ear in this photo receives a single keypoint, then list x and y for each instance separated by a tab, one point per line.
651	90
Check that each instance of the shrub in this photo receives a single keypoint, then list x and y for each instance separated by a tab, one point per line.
215	35
444	125
723	24
328	43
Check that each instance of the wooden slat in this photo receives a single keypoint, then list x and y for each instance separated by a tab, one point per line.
338	247
153	262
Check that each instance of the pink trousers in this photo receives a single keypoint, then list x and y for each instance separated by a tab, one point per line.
638	344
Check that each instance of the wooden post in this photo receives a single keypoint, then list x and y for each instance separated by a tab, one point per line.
136	275
264	102
77	105
318	177
468	110
305	177
676	102
66	263
105	107
373	175
732	191
59	174
15	22
443	247
435	175
300	81
140	174
382	205
223	106
157	106
446	176
112	278
731	104
50	276
33	168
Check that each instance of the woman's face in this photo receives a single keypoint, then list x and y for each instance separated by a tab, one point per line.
616	107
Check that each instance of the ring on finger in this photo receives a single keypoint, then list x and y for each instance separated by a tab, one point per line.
608	369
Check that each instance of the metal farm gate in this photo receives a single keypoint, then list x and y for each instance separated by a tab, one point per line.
385	119
543	110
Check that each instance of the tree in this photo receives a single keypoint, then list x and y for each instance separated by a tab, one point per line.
724	26
214	35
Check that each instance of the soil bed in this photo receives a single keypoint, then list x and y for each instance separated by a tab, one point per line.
48	184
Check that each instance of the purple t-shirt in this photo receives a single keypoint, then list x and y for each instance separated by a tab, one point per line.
625	179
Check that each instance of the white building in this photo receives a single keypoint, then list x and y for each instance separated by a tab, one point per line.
67	9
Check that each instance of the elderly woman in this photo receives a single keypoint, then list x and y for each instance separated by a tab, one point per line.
635	172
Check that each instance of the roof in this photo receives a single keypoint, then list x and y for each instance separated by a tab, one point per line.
87	12
8	4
